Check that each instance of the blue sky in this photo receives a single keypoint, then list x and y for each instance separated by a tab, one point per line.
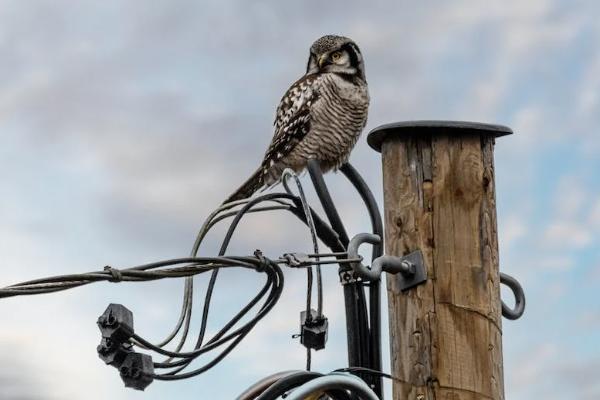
124	123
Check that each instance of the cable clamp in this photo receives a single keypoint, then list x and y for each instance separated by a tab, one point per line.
116	274
297	260
263	262
313	330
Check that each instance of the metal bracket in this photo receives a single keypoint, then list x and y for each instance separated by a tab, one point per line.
411	266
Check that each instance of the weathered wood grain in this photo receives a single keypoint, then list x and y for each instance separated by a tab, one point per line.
445	335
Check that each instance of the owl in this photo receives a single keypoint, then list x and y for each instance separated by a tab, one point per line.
321	116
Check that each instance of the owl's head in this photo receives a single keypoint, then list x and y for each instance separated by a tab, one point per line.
337	54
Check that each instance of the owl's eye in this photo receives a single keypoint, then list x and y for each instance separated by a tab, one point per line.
336	56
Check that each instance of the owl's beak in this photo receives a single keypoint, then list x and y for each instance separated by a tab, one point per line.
322	59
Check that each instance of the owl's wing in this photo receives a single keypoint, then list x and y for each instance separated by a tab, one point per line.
292	120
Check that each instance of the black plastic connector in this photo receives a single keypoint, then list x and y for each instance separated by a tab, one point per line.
116	323
137	370
313	330
116	327
113	353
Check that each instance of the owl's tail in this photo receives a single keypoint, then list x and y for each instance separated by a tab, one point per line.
249	187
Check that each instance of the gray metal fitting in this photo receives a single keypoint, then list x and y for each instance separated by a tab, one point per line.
411	267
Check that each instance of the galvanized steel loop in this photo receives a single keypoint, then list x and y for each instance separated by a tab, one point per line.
517	289
372	273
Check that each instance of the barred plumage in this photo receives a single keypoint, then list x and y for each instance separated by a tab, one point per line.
321	116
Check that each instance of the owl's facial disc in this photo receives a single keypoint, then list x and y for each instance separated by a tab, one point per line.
336	54
337	61
336	57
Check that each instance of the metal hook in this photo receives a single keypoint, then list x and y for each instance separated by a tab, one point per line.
517	289
411	266
372	273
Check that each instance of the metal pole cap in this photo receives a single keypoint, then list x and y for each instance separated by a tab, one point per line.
378	135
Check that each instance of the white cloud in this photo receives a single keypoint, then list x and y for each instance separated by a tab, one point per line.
595	214
527	122
571	198
530	367
512	228
589	319
558	263
567	234
558	373
573	225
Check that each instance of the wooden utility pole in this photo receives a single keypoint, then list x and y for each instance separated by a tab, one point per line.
439	197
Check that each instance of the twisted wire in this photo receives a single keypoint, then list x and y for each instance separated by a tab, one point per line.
177	360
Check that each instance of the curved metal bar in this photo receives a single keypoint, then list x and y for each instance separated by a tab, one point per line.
372	273
334	381
390	264
517	289
393	265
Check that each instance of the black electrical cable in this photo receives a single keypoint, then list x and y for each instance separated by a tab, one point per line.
316	175
135	274
188	300
201	265
238	216
311	225
186	308
210	222
242	331
144	272
364	330
273	297
374	286
233	225
358	334
219	339
214	342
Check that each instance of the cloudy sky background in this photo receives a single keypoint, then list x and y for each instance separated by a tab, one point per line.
123	124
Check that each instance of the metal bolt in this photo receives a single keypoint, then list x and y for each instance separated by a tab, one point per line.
409	268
